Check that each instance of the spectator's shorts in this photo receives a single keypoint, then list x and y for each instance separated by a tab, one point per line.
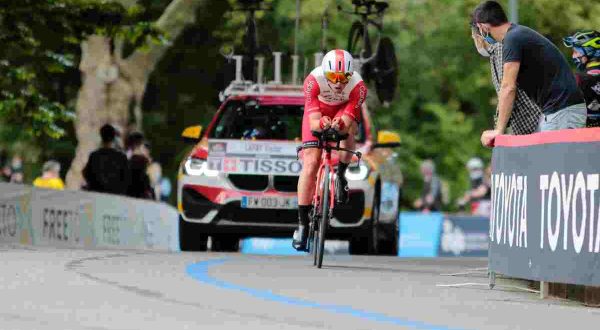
569	117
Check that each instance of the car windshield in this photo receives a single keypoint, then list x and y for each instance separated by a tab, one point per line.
250	120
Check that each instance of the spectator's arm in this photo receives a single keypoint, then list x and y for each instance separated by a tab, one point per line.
480	191
507	95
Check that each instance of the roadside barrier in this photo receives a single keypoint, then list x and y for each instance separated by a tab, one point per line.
442	235
545	222
81	219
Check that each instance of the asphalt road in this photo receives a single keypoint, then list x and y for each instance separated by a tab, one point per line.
47	288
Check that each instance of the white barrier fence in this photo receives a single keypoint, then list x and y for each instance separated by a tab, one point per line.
85	220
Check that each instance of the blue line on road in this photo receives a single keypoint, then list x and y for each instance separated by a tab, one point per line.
199	271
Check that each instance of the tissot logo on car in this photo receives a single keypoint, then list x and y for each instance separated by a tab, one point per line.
256	165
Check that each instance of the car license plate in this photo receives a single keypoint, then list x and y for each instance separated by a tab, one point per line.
264	202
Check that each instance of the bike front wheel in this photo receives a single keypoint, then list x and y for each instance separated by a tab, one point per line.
324	215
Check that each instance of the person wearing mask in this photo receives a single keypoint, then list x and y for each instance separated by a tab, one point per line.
586	56
479	195
16	169
140	186
431	195
50	178
525	117
107	170
533	63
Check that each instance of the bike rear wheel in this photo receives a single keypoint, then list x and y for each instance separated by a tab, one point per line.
324	216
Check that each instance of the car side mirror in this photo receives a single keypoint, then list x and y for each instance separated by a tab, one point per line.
192	134
387	139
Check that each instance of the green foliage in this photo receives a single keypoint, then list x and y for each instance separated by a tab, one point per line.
40	41
445	96
444	100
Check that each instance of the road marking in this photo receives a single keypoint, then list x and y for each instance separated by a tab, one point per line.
199	271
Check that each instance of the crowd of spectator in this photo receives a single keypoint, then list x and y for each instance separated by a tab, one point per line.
12	171
130	172
537	91
112	168
435	193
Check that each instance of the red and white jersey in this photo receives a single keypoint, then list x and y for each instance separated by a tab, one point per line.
320	96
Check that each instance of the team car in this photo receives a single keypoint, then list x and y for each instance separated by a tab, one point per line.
240	179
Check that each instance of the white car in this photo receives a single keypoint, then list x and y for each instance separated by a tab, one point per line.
241	177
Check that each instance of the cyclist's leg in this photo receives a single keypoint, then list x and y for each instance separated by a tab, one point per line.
345	159
311	159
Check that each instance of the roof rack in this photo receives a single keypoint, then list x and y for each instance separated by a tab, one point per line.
251	88
273	88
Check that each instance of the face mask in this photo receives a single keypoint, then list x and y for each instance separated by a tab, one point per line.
482	48
483	51
476	174
488	38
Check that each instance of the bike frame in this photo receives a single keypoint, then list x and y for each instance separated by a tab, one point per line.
317	196
327	149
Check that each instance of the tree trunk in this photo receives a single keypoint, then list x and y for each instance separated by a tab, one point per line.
110	84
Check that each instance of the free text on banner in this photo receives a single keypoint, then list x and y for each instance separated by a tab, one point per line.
545	222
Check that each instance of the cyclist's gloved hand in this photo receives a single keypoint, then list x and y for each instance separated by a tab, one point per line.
324	122
338	124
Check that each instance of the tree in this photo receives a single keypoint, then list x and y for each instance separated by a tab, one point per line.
113	83
38	74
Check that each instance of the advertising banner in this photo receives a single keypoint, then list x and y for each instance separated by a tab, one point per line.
15	213
253	157
545	222
85	220
283	246
464	236
420	234
135	224
62	218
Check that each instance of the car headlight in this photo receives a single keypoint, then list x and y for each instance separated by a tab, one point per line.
356	173
196	167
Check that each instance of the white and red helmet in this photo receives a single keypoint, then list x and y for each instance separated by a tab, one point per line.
338	60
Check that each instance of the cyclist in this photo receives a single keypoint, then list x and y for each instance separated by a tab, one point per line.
333	97
586	55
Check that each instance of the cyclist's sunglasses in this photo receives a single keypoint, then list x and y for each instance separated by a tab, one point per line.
335	77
